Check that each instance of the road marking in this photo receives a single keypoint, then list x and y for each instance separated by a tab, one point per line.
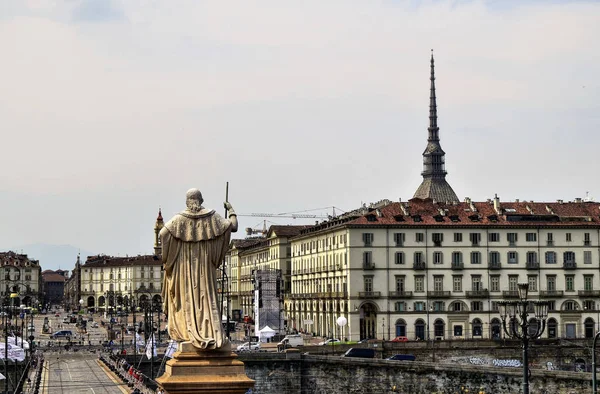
69	370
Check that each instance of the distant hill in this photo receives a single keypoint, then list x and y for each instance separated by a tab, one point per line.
53	257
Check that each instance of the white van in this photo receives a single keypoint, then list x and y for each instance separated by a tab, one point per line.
290	341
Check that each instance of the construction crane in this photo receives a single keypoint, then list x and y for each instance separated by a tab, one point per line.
294	215
282	215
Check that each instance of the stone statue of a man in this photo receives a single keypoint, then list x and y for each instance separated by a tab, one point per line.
194	243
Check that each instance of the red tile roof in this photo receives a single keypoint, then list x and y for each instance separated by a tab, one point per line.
511	214
111	261
17	260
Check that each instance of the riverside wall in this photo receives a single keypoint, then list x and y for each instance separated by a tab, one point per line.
301	373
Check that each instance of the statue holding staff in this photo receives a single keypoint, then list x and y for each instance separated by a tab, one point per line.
194	244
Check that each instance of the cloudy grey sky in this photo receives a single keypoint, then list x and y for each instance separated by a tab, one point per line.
110	109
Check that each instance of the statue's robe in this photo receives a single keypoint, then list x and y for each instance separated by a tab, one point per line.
193	247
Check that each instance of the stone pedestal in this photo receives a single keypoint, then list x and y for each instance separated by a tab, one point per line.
212	371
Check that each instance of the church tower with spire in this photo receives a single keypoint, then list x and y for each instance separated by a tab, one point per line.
434	183
157	227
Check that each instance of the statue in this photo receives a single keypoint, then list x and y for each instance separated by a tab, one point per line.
194	243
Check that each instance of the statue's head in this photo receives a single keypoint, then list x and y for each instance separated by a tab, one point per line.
194	200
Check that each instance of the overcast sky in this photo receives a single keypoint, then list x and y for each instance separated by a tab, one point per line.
110	109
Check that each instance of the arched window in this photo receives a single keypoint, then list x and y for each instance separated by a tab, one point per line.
420	329
495	328
589	327
477	328
400	328
552	325
438	328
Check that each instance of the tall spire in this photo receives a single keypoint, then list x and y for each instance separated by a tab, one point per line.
433	129
434	183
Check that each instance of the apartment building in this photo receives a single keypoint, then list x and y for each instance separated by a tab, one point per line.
270	252
20	280
427	269
111	283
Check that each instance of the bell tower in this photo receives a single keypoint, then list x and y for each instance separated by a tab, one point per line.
157	227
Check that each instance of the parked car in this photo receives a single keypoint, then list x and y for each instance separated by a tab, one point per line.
360	352
402	357
248	346
67	334
94	325
31	328
66	320
330	342
400	339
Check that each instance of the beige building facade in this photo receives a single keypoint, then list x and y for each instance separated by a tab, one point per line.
424	269
269	252
20	280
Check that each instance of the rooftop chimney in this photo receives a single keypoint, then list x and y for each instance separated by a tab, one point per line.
497	206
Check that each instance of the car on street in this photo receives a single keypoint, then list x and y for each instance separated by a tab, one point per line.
400	339
31	328
248	346
66	334
57	315
94	325
330	342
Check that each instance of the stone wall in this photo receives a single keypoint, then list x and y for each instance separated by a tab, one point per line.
274	373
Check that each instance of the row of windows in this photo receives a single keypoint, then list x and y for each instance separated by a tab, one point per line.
512	257
474	238
477	306
477	284
323	243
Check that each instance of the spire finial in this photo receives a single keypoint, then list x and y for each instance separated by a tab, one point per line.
433	129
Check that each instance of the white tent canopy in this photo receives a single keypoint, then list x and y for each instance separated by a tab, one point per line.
265	333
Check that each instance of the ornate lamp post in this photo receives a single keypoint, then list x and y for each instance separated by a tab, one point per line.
515	321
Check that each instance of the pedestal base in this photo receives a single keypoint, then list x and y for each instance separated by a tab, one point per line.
212	371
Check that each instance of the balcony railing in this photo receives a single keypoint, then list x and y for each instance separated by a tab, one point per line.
551	293
494	266
457	265
589	293
549	242
477	293
340	294
533	265
569	265
510	294
368	266
369	294
400	294
419	266
438	294
327	294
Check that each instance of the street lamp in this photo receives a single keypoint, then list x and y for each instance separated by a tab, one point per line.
341	322
514	315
